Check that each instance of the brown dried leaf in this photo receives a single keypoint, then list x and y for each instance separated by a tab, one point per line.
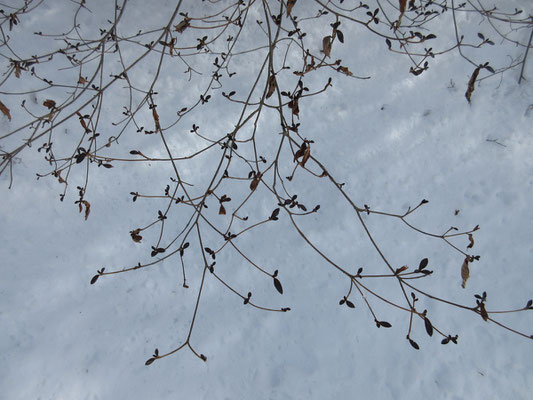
471	239
403	3
135	235
156	118
326	45
255	182
82	122
301	151
82	80
293	105
5	110
87	208
471	84
345	70
271	85
182	25
17	70
60	178
307	154
221	210
290	5
400	270
483	312
465	272
48	103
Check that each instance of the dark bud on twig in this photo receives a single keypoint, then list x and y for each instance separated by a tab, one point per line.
429	327
274	216
383	324
277	285
413	343
95	278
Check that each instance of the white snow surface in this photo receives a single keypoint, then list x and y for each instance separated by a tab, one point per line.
394	140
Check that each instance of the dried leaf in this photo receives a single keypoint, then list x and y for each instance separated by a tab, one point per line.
49	104
385	324
290	5
345	70
82	122
400	270
82	80
135	236
403	3
307	154
255	182
326	45
94	279
293	105
87	208
471	84
423	264
271	85
414	344
278	286
350	304
471	239
5	110
155	115
182	25
483	312
465	272
221	210
300	152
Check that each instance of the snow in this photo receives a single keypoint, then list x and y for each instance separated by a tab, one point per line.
394	140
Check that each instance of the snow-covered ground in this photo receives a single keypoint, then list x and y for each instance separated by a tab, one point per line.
394	140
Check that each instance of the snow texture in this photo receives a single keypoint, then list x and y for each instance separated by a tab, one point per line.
394	140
